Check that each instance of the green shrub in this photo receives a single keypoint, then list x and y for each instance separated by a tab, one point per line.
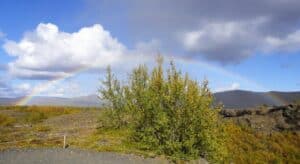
169	113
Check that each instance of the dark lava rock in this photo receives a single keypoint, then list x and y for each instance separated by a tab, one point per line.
267	119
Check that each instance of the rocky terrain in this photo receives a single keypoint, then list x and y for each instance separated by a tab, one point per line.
267	119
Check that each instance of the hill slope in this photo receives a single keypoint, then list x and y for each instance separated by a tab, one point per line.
83	101
248	99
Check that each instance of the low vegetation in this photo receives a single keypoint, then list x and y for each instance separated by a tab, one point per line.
6	120
247	145
22	126
34	114
244	144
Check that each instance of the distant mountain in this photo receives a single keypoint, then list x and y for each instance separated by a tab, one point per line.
9	101
230	99
248	99
83	101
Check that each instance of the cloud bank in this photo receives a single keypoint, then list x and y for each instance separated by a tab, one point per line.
227	32
48	52
232	42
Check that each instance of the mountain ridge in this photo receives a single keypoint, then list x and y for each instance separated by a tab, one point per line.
230	99
250	99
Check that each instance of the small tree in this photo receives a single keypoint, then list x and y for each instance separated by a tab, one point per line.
168	113
112	93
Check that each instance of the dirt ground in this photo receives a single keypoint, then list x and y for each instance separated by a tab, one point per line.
47	132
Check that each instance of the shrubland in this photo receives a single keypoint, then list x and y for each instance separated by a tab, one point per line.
244	144
167	113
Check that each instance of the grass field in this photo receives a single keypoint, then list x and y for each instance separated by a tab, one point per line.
36	126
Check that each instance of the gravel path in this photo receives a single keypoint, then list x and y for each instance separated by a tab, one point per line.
70	156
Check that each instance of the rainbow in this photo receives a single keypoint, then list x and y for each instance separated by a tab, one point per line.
277	100
43	86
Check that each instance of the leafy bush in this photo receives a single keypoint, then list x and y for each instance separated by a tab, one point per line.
168	113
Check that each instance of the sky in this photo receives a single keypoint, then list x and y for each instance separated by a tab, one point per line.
61	48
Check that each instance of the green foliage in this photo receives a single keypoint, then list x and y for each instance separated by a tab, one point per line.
114	94
169	113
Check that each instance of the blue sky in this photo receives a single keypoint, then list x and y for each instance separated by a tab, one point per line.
67	44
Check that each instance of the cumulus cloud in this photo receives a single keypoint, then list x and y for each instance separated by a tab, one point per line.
233	86
231	42
226	41
48	52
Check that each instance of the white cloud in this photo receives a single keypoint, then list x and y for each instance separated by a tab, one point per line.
233	41
233	86
226	41
24	87
289	43
48	52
